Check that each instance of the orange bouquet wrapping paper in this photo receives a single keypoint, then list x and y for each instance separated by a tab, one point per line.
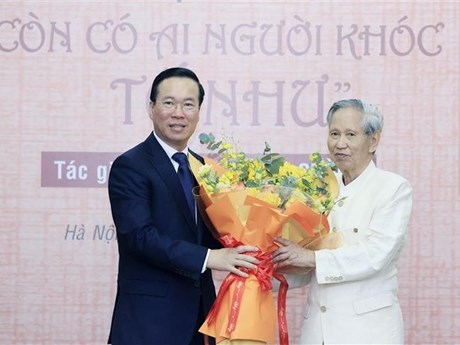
245	308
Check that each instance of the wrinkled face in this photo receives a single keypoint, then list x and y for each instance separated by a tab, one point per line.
176	112
350	149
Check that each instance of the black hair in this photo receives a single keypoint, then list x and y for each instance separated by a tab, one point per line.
180	72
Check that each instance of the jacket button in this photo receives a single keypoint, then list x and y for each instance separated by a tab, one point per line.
323	309
355	230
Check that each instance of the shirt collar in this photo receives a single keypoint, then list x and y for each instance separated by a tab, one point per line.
168	149
358	182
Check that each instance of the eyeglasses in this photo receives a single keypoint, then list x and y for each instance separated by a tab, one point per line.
188	107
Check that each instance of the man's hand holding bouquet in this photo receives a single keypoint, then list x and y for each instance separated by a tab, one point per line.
252	201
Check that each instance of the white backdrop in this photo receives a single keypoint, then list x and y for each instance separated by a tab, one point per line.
74	83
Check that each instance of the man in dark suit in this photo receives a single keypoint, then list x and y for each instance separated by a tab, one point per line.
166	253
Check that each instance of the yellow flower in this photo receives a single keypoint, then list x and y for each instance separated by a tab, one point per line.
289	169
269	177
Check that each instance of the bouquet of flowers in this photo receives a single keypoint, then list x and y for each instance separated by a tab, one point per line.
251	201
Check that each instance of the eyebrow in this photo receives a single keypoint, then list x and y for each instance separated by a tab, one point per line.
174	98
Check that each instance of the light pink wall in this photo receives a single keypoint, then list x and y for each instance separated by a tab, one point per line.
65	102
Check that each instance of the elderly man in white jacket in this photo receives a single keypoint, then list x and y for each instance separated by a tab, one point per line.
352	298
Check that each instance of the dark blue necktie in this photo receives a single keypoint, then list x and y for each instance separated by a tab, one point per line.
186	179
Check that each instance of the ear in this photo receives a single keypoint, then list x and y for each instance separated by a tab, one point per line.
151	105
375	139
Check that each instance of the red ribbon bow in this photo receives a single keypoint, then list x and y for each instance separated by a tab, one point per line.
264	272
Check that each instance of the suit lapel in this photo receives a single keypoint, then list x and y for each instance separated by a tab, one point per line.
161	163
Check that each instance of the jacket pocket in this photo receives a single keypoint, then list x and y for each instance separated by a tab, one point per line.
369	304
143	287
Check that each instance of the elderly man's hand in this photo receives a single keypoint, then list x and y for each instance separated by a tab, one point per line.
292	258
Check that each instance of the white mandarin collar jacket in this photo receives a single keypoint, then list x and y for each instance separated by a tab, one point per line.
353	292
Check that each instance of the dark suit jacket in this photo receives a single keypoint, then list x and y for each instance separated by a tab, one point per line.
161	251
